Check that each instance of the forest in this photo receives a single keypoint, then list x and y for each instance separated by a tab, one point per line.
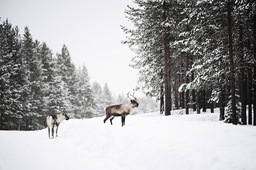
190	54
34	83
196	54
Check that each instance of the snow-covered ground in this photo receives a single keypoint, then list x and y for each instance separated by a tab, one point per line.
146	142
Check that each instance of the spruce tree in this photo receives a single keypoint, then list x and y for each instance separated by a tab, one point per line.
27	54
10	109
107	97
84	98
66	71
98	98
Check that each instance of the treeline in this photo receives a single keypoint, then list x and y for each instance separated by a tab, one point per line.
197	54
34	83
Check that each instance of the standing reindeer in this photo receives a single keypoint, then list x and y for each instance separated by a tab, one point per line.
55	120
121	110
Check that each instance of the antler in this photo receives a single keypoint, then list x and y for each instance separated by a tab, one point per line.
128	95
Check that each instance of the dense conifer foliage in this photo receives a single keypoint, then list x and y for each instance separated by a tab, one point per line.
35	83
201	53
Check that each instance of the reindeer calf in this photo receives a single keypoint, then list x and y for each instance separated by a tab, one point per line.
120	110
54	121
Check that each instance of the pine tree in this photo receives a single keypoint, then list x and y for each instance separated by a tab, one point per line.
36	93
27	54
98	98
107	97
146	42
232	74
49	75
84	99
167	59
66	70
253	26
9	76
155	31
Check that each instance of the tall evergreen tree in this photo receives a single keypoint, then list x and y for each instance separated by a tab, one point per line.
107	97
9	76
98	98
84	98
66	70
155	31
36	99
27	54
232	74
253	26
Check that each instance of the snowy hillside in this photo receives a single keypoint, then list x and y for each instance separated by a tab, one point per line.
146	142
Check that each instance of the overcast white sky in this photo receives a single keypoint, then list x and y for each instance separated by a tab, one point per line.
89	28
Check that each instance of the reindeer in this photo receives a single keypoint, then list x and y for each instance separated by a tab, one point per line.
121	110
55	120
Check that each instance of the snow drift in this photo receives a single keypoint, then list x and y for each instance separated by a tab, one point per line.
147	142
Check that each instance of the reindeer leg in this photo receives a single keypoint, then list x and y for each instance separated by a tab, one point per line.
53	132
112	119
123	120
49	132
107	116
57	131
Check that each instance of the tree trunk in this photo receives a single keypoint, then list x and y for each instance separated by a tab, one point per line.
222	103
1	126
167	66
254	87
181	98
232	70
249	97
243	91
162	99
176	93
193	91
161	93
242	77
203	100
187	81
198	102
212	106
167	74
254	75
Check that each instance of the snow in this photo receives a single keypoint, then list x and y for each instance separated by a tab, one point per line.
147	142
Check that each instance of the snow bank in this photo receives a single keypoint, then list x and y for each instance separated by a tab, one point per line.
147	141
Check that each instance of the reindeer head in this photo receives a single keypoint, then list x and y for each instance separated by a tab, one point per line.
134	103
133	100
63	112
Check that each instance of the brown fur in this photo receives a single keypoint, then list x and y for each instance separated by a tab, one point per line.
120	110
